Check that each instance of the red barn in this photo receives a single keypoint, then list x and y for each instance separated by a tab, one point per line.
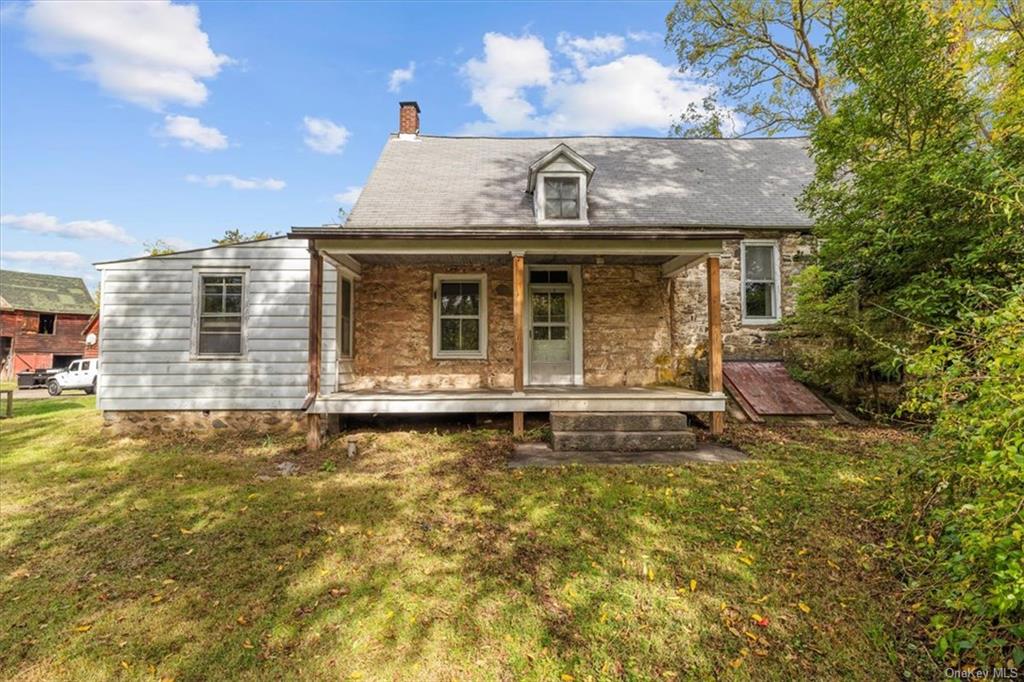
42	318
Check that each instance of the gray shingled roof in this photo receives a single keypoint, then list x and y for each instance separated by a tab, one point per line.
447	182
44	293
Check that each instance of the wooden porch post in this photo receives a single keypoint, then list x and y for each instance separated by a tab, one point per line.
314	422
715	341
518	296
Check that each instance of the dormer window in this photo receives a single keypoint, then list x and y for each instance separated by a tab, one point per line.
559	181
561	198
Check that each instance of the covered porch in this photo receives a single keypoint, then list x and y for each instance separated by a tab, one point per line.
547	344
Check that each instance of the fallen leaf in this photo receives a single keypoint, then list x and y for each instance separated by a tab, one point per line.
693	586
804	607
185	531
246	644
241	620
83	628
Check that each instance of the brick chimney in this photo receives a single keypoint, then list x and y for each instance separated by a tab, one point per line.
408	119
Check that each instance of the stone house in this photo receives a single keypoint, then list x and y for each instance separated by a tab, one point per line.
41	321
576	274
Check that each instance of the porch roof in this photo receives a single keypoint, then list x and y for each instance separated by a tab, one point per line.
337	232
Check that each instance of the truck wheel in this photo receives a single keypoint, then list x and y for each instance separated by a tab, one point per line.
89	390
53	388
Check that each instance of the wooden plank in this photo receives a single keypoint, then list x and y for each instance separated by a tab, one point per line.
518	298
747	408
715	340
314	435
770	391
679	264
518	424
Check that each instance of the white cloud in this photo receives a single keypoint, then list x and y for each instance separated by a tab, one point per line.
190	132
324	136
498	81
634	91
42	223
235	182
148	53
65	260
601	90
582	51
349	196
400	77
644	36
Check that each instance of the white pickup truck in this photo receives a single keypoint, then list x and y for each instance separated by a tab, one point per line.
80	374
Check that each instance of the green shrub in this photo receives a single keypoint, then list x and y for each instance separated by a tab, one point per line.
965	550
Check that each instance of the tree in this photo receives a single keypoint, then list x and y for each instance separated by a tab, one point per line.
918	195
236	236
771	57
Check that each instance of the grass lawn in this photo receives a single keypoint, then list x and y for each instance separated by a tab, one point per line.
425	558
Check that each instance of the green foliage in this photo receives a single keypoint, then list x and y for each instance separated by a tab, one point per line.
915	206
236	236
828	333
769	55
918	200
967	546
157	247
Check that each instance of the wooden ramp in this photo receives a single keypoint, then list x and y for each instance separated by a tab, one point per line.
765	389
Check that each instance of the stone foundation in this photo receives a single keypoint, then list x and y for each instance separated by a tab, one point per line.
205	422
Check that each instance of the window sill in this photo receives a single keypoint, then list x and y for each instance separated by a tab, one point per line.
765	323
563	222
459	356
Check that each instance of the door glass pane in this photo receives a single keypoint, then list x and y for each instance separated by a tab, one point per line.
558	276
558	333
759	262
541	307
540	333
557	309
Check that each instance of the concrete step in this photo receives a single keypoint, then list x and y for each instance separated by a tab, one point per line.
618	421
623	441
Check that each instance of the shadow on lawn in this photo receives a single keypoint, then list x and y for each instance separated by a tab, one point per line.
424	541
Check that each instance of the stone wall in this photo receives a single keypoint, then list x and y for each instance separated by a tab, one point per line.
627	336
393	330
740	341
203	422
638	327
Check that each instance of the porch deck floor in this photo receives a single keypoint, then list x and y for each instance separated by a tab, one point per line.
532	399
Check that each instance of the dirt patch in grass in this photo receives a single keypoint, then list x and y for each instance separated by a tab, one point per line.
426	558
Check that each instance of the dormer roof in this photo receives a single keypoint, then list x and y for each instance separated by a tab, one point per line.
561	151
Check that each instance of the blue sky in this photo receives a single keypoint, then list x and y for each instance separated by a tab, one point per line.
122	124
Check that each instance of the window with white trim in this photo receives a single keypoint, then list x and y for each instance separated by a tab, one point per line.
562	198
220	315
460	316
759	262
345	307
